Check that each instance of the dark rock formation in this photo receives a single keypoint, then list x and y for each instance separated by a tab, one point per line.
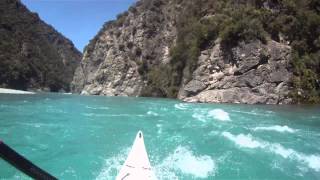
33	55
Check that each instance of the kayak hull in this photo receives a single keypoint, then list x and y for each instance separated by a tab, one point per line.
137	166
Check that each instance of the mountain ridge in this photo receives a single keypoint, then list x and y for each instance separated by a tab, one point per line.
34	55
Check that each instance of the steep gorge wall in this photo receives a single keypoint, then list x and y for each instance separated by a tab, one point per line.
33	55
197	51
113	61
256	74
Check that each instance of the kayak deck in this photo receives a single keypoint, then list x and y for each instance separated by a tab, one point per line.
137	165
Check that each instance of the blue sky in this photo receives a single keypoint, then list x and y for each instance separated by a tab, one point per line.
78	20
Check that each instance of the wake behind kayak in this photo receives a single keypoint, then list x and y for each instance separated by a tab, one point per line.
137	165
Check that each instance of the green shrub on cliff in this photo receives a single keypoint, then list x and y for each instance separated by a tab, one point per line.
300	24
202	22
242	30
294	21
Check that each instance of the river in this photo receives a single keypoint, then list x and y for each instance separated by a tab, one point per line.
89	137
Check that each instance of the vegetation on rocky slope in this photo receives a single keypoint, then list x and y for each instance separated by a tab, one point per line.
32	54
202	22
166	43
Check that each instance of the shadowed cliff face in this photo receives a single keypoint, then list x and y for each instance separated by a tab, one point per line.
197	51
33	55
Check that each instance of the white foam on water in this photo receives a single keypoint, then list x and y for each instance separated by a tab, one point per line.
200	115
255	112
38	125
55	110
214	133
111	115
97	108
163	109
89	114
243	140
277	128
184	161
280	150
247	141
113	165
313	161
246	112
270	112
219	114
70	171
204	115
19	175
315	117
151	113
181	106
159	126
3	106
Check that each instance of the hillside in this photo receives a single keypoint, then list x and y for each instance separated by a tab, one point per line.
33	55
254	52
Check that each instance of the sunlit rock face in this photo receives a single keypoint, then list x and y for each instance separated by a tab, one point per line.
139	38
115	61
253	73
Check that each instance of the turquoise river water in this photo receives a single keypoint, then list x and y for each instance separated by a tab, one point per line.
89	137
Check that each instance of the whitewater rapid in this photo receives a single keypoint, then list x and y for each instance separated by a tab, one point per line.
89	137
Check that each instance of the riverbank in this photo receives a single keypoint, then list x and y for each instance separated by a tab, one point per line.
13	91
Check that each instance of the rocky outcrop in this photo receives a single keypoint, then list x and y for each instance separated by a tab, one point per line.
33	55
253	73
135	47
138	39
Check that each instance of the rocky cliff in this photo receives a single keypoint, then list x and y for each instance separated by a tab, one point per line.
256	74
138	39
205	51
33	55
